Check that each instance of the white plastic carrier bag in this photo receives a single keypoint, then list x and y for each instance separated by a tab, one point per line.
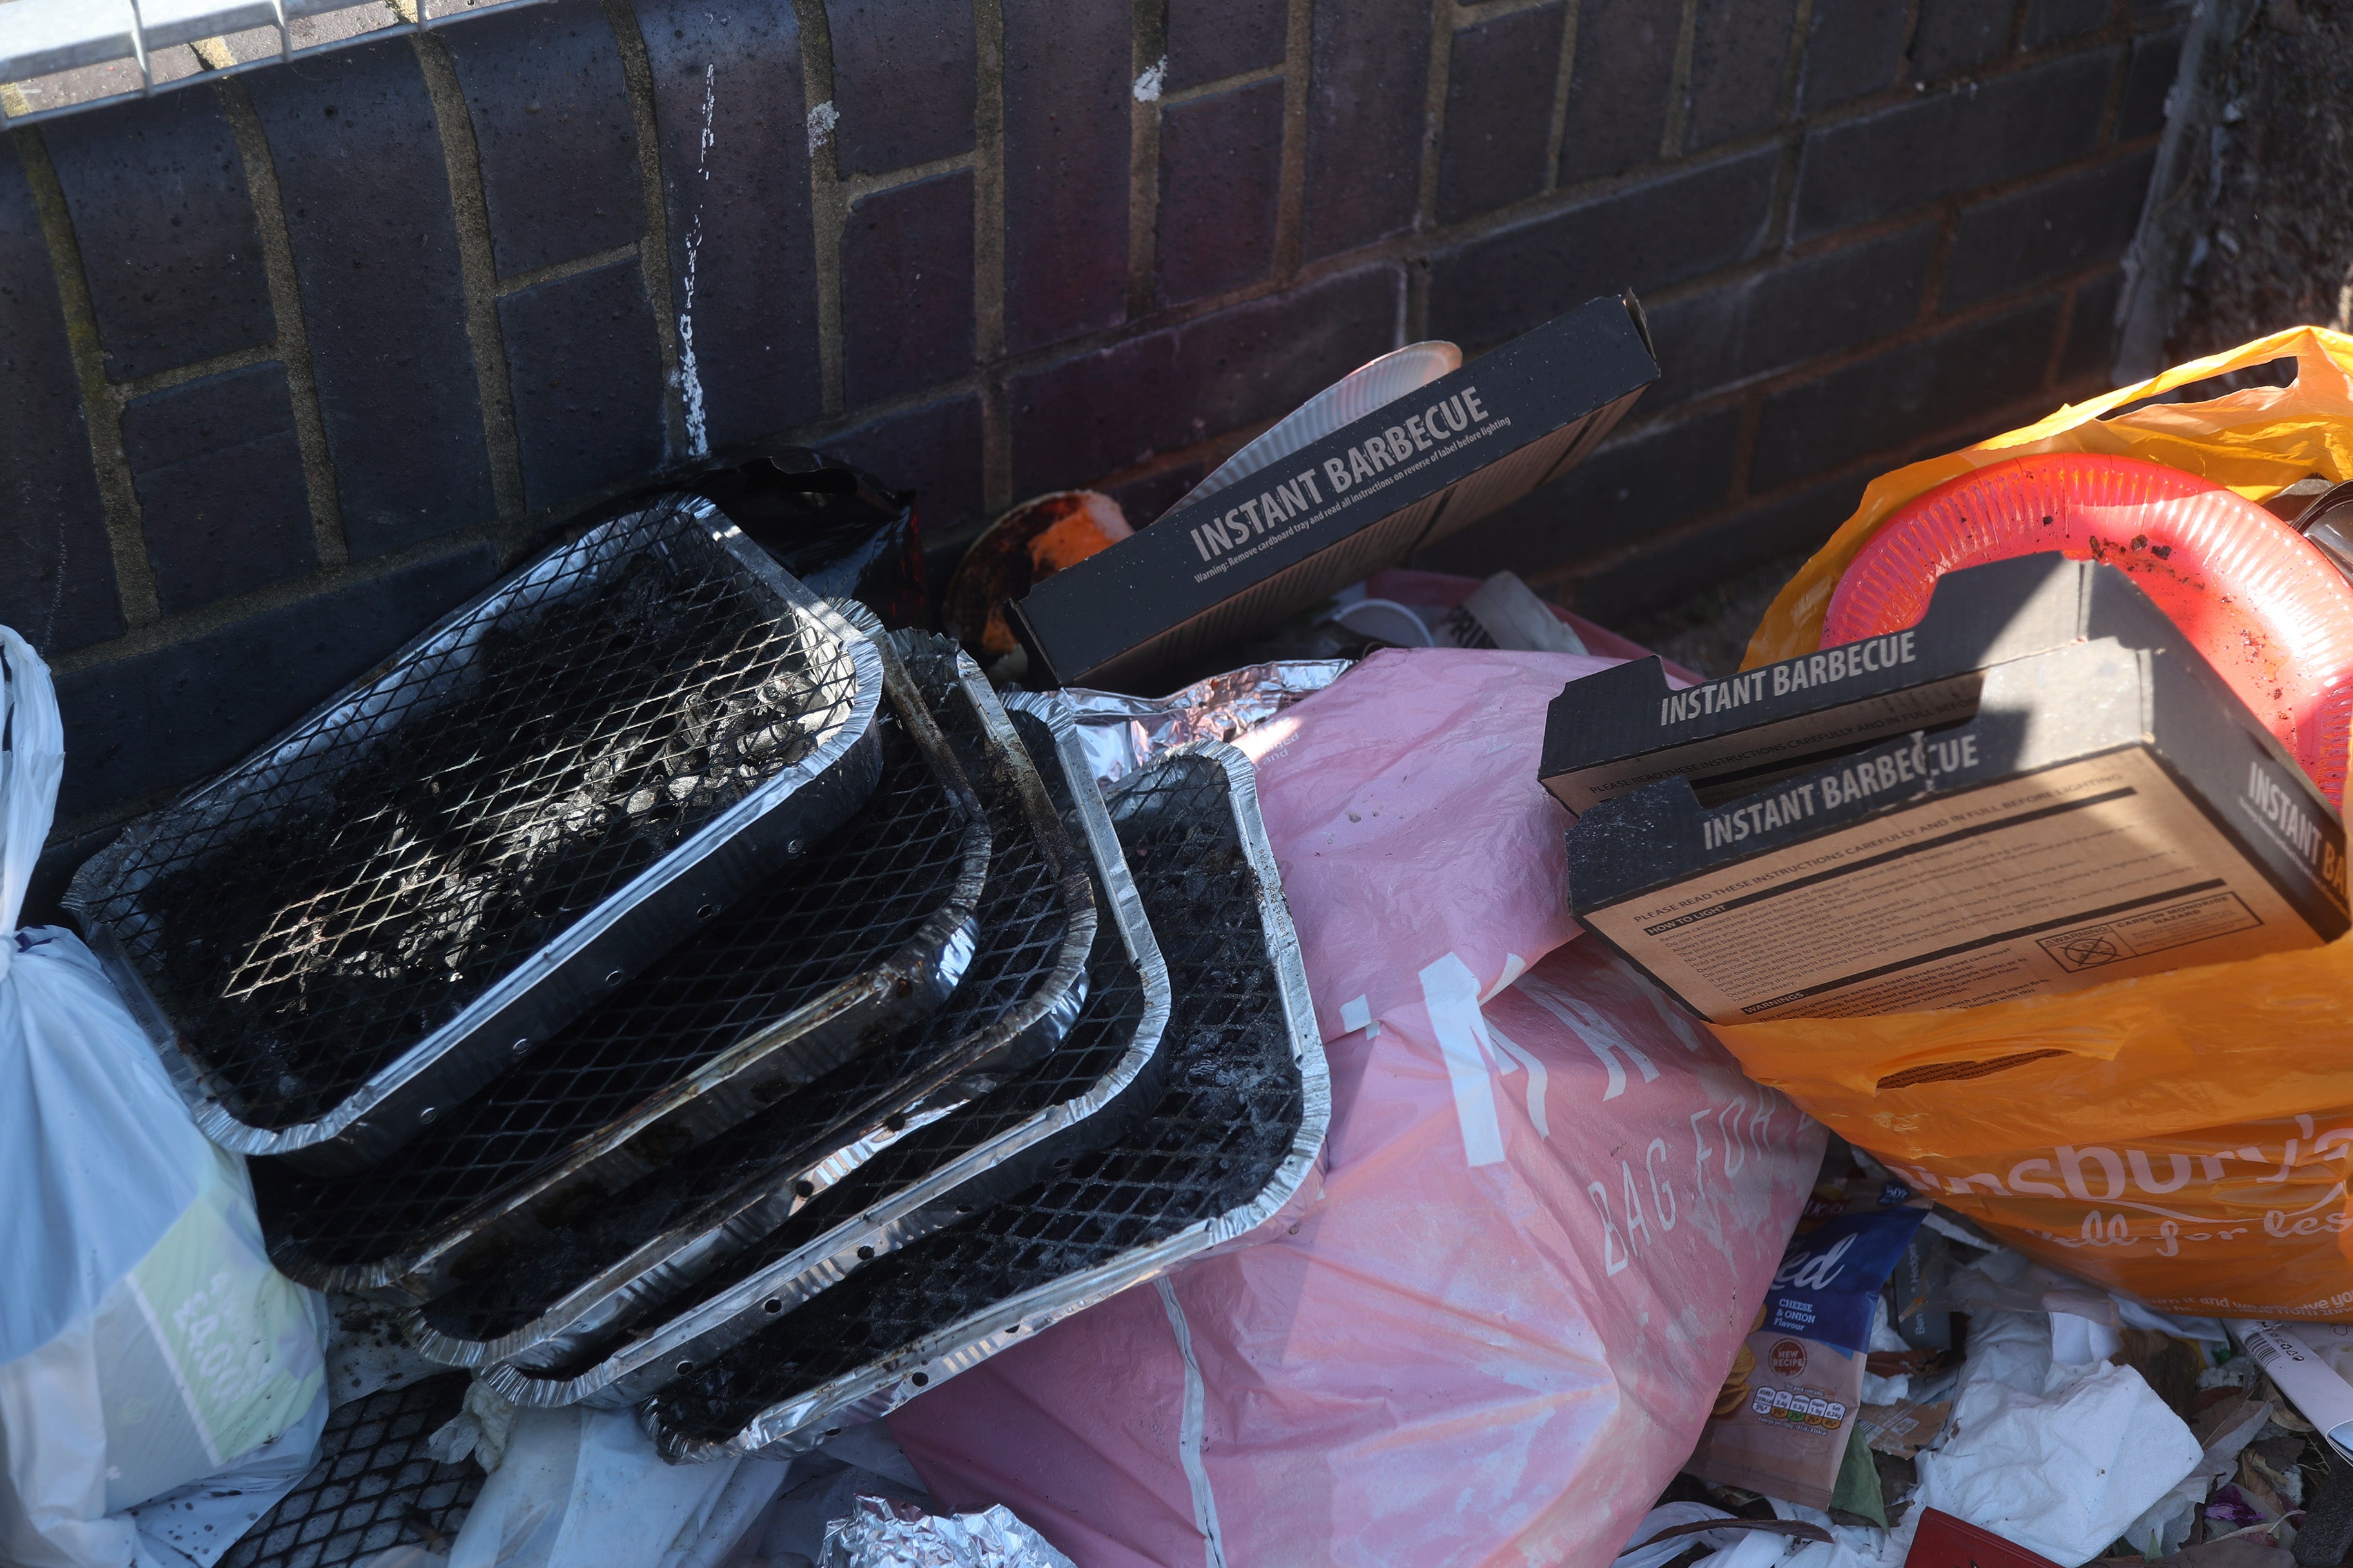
146	1344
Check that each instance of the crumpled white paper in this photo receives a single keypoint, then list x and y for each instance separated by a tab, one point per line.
883	1534
2061	1470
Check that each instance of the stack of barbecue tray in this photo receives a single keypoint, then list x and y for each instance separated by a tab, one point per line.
661	988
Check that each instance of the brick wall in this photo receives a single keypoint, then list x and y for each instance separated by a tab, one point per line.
297	358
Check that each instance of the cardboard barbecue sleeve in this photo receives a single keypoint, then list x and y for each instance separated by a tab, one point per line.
2147	1097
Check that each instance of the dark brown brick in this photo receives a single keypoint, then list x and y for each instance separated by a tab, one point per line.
1955	35
221	492
376	251
933	451
1676	226
2156	61
1617	87
1740	51
551	115
2091	332
1368	89
2049	21
1797	310
906	288
1209	40
1066	91
1220	174
1094	415
1904	393
1947	142
57	570
1852	47
2059	226
1499	89
157	193
735	177
140	726
1676	568
585	368
904	79
1631	488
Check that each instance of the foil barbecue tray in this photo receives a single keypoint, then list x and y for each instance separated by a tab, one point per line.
1234	1135
1103	1079
373	1486
1027	982
364	922
861	938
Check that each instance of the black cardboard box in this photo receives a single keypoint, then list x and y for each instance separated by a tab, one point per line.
2079	798
1228	567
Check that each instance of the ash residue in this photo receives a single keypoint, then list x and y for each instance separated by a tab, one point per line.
873	886
1018	965
304	950
1220	1131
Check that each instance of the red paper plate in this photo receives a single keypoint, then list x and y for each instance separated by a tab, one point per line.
2266	610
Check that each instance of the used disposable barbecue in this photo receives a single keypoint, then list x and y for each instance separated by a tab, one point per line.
1095	1087
343	937
1232	1137
861	938
644	1245
373	1486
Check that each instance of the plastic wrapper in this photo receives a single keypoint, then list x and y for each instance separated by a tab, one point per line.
2186	1137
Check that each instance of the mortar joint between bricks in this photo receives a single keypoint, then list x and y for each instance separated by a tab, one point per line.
828	201
477	271
1671	139
1147	67
989	252
292	347
1564	74
101	402
653	249
555	271
1290	185
1446	18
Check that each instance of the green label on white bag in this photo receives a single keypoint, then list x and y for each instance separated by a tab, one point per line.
234	1328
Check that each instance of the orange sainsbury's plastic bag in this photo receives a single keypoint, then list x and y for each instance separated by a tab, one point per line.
2186	1137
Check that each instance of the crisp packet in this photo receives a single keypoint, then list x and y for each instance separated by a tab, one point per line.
1781	1423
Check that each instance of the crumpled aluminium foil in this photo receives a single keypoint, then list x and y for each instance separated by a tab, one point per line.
1120	732
883	1534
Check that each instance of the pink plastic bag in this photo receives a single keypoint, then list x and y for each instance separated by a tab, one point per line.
1551	1210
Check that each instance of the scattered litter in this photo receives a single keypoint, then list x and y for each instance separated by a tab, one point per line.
1530	1135
371	917
2051	714
1783	1423
879	1533
1120	732
1159	606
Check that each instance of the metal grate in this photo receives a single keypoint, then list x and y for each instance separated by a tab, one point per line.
372	1489
1094	1088
1235	1128
872	928
350	893
1026	982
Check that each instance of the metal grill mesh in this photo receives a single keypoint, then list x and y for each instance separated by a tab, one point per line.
860	896
373	1486
301	935
1097	1042
1024	915
1220	1131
